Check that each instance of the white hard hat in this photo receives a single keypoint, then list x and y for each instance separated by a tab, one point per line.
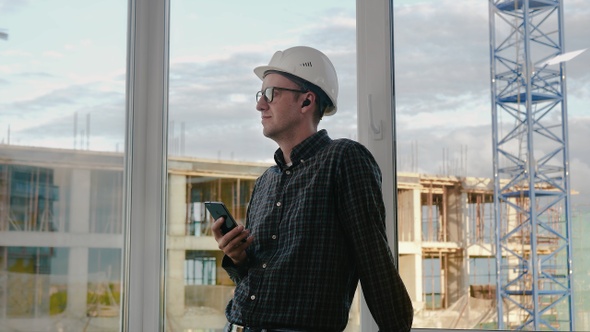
309	64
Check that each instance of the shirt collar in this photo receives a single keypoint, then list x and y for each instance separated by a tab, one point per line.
304	150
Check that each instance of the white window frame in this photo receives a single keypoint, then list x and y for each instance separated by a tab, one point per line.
146	161
146	166
376	112
376	108
146	148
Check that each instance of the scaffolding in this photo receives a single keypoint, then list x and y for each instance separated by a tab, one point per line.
531	170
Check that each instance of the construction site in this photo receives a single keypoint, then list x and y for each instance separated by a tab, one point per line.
61	264
474	253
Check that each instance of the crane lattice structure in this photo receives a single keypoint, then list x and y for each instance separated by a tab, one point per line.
531	166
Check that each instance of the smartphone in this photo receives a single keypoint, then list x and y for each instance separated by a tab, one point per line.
217	210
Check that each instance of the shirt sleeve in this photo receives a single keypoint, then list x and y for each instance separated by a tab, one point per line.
362	211
236	273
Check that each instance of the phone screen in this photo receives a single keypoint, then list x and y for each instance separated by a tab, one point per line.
217	210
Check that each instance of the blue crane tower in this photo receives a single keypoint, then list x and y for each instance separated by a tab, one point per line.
531	166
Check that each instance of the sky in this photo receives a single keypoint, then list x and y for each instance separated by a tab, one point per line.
62	77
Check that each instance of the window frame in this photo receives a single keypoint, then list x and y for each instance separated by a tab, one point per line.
376	109
146	166
146	157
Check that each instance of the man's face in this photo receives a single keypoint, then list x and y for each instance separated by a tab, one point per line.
281	117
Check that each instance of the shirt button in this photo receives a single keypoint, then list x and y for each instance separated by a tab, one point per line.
288	172
264	266
253	297
274	237
279	204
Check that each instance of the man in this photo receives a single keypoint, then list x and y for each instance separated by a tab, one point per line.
316	220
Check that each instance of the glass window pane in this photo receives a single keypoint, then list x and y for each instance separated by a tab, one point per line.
445	160
62	118
215	141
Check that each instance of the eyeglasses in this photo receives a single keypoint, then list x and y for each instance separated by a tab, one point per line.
269	93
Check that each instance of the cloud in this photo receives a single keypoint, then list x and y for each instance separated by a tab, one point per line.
442	92
460	151
441	56
203	95
8	6
580	154
103	123
53	54
48	120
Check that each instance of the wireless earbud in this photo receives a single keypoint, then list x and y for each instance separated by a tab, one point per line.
306	103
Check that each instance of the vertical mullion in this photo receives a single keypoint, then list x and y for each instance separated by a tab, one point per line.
145	166
375	109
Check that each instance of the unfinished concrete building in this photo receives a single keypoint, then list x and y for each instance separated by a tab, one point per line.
63	237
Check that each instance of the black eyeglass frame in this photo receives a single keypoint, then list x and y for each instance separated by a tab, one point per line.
270	91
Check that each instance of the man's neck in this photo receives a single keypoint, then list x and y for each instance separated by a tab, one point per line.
288	146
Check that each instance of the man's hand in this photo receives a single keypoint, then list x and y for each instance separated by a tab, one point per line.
234	243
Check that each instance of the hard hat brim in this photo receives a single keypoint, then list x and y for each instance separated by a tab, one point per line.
261	70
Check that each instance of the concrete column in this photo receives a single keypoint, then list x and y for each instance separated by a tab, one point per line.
175	296
62	179
417	217
79	215
176	226
454	216
457	262
411	273
411	264
176	205
405	217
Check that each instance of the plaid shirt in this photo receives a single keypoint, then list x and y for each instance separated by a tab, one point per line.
318	227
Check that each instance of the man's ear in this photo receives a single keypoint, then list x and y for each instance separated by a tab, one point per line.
309	100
